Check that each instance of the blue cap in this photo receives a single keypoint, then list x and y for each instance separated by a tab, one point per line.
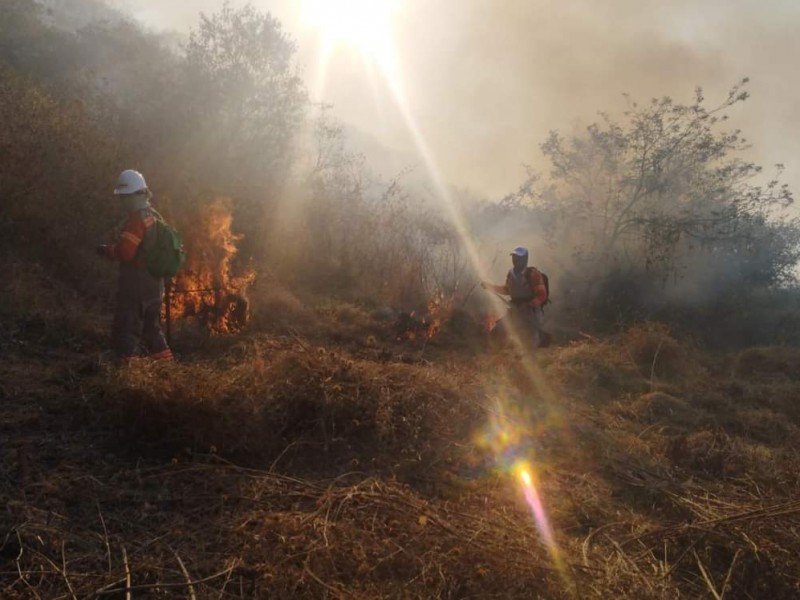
519	251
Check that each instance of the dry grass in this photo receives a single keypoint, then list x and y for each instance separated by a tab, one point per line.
269	397
658	408
285	467
600	370
702	471
656	353
272	305
773	362
251	534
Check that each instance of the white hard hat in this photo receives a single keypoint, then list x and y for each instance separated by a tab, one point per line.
520	251
130	182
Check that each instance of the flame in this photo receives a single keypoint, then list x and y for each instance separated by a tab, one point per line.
438	310
207	289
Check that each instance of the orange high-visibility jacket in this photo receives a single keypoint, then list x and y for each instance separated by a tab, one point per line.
131	236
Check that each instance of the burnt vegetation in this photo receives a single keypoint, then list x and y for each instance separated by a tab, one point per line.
329	432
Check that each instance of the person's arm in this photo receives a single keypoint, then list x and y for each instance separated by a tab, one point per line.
129	240
497	289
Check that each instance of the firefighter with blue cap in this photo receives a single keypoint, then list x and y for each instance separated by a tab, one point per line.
527	287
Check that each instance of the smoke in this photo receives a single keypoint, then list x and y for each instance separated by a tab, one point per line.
488	80
483	87
508	76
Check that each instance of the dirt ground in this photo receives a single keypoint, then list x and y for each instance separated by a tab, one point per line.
336	461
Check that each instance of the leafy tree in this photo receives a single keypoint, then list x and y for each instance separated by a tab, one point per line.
56	171
662	178
237	107
658	209
244	96
662	183
29	45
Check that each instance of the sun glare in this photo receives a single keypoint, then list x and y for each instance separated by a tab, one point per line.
363	25
365	28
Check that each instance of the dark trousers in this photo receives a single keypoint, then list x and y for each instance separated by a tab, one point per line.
137	318
137	325
525	321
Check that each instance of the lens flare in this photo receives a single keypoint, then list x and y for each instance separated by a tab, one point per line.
512	435
526	477
534	501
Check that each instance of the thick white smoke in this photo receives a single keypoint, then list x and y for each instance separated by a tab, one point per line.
487	80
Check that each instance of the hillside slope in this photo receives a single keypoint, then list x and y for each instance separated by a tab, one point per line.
285	465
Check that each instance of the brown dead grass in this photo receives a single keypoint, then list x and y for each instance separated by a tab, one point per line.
273	305
697	464
290	468
664	409
268	400
656	353
770	363
600	370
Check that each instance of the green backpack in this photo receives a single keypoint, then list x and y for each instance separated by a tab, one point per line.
165	255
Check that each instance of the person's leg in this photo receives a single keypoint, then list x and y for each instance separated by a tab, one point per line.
527	323
125	330
152	335
536	320
498	336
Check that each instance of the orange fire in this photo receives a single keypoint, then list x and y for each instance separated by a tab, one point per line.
207	289
439	309
427	326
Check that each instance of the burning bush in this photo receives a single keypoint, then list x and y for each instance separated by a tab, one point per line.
414	326
209	289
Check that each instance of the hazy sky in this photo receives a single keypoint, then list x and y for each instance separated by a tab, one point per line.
486	80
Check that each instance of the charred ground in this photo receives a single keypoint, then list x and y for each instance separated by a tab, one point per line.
283	464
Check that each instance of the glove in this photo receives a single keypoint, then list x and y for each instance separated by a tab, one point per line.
101	250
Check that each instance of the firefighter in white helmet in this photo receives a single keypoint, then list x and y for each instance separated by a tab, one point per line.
137	318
